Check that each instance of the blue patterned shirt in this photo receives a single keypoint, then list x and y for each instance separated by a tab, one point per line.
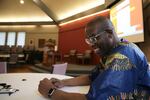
126	75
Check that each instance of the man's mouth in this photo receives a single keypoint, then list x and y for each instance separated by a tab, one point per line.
96	50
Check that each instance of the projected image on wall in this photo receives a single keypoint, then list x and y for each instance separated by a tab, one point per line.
127	18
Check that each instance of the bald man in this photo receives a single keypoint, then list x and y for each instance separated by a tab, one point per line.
126	74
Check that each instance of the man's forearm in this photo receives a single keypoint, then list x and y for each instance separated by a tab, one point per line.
61	95
81	80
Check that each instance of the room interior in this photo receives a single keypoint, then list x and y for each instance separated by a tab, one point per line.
61	20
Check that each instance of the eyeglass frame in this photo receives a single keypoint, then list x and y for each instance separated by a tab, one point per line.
93	39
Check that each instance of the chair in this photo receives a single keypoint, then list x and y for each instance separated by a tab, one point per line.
13	58
25	48
86	57
21	57
71	56
13	49
20	50
3	67
59	68
6	49
31	48
2	49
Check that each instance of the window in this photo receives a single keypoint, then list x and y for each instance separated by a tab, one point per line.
2	38
21	39
11	38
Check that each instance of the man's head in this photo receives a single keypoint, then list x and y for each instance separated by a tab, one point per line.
100	35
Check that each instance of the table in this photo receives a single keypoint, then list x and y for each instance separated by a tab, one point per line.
28	89
4	57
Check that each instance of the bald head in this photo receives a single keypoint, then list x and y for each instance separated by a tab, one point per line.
99	24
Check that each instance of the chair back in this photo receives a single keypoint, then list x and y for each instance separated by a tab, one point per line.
87	53
72	52
19	50
13	49
6	49
13	58
3	67
60	68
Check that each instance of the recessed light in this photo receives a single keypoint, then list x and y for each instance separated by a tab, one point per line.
21	1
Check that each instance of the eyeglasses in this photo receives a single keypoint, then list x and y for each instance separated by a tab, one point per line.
93	39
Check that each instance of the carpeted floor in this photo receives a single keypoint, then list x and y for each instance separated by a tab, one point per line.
22	68
72	69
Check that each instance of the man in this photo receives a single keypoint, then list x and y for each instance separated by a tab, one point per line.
126	74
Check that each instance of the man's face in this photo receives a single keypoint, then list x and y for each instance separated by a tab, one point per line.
101	42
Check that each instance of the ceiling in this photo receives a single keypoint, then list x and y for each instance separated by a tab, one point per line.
49	12
12	12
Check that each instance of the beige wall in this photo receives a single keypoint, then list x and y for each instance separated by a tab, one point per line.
42	35
34	32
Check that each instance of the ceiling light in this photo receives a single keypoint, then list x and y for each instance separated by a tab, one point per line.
84	17
18	26
25	19
21	1
46	26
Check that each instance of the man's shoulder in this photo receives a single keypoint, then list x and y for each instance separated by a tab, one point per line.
133	50
129	45
130	49
118	61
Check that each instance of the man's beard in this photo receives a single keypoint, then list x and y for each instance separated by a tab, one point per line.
100	52
103	51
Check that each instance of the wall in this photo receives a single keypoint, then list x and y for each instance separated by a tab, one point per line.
36	36
34	32
72	35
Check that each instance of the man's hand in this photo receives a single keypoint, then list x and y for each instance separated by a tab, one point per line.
44	86
57	83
